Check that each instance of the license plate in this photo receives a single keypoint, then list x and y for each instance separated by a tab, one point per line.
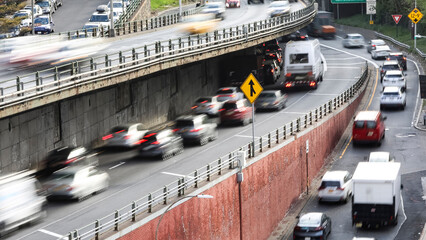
265	104
307	238
59	188
369	134
331	190
358	225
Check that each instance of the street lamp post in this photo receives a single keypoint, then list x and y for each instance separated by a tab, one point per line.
32	17
168	208
111	17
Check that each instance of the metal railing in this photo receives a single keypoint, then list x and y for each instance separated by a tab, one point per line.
178	187
41	83
396	42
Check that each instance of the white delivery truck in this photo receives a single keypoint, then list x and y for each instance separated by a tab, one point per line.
303	64
376	194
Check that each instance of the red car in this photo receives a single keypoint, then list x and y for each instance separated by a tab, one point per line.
236	111
232	3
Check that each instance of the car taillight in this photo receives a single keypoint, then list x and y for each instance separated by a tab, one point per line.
404	58
176	129
107	137
194	107
127	137
288	85
233	95
212	106
119	131
341	189
149	135
70	160
312	84
155	143
272	70
297	228
302	37
69	188
195	130
288	75
373	45
204	101
319	228
140	141
276	102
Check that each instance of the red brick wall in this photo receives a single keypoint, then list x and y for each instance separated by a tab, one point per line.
270	186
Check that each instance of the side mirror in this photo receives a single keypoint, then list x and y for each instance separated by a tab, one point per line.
402	186
385	117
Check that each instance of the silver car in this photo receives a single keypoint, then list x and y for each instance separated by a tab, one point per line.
393	97
380	52
353	40
271	99
278	8
77	182
126	135
374	43
196	128
208	105
394	78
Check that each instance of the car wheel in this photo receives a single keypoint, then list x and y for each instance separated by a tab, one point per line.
381	107
214	135
179	149
166	155
204	140
245	121
346	199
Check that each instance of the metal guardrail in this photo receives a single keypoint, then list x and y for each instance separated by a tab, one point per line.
77	73
205	174
422	54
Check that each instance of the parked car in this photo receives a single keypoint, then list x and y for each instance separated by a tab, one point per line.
44	25
229	93
232	3
101	16
37	10
207	105
66	156
162	143
77	182
368	127
271	99
381	157
279	8
46	6
393	97
126	135
374	43
26	17
117	6
236	111
217	8
389	65
335	186
255	1
394	78
353	40
313	225
400	57
196	128
380	52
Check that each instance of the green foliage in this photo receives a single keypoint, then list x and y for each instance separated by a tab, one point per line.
163	4
8	23
11	6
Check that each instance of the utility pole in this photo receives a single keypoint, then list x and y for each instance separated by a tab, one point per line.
111	19
32	17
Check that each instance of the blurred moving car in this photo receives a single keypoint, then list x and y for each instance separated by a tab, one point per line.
271	71
200	23
295	36
368	127
229	93
44	25
66	156
207	105
322	26
400	57
21	201
393	97
353	40
196	128
389	65
232	3
380	157
395	78
270	99
126	135
255	1
236	111
335	186
278	8
217	8
313	225
76	182
372	44
162	143
380	52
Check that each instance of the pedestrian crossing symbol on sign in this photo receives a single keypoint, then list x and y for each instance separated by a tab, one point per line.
415	15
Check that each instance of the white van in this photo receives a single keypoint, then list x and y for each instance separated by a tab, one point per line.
303	64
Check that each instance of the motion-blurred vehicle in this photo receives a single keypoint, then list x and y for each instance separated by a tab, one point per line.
380	52
335	186
232	3
207	105
353	40
37	10
162	143
12	32
125	135
400	57
295	36
270	99
76	182
279	8
236	111
368	127
101	16
229	93
381	157
21	200
255	1
313	225
372	44
389	65
322	26
217	8
91	29
393	97
44	25
67	156
200	23
196	128
271	71
46	6
394	78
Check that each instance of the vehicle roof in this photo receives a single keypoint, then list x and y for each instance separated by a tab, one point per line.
367	115
376	171
302	44
393	72
311	215
391	89
334	175
379	155
269	91
354	34
390	62
378	40
383	47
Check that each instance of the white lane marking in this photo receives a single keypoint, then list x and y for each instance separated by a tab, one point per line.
117	165
323	94
298	113
50	233
423	179
336	49
403	212
417	101
176	174
340	67
246	136
325	64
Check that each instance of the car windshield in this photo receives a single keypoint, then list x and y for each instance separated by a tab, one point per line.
211	6
309	222
228	106
119	129
355	37
57	176
267	95
222	91
20	15
89	28
298	58
325	184
204	100
279	4
390	67
184	123
42	21
393	76
117	5
393	94
377	42
99	18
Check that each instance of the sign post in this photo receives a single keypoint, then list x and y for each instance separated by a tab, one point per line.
252	89
371	9
415	17
396	19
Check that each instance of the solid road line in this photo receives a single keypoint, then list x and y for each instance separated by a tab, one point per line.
50	233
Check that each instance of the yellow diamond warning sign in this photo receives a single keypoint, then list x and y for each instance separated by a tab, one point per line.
251	88
415	15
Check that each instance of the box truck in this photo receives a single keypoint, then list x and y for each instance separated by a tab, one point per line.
376	194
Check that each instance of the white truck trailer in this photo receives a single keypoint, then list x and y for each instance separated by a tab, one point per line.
376	194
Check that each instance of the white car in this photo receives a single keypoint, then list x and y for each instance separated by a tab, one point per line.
393	97
38	11
26	15
353	40
335	186
217	8
374	43
207	105
394	78
381	157
278	8
101	16
126	135
380	52
117	6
